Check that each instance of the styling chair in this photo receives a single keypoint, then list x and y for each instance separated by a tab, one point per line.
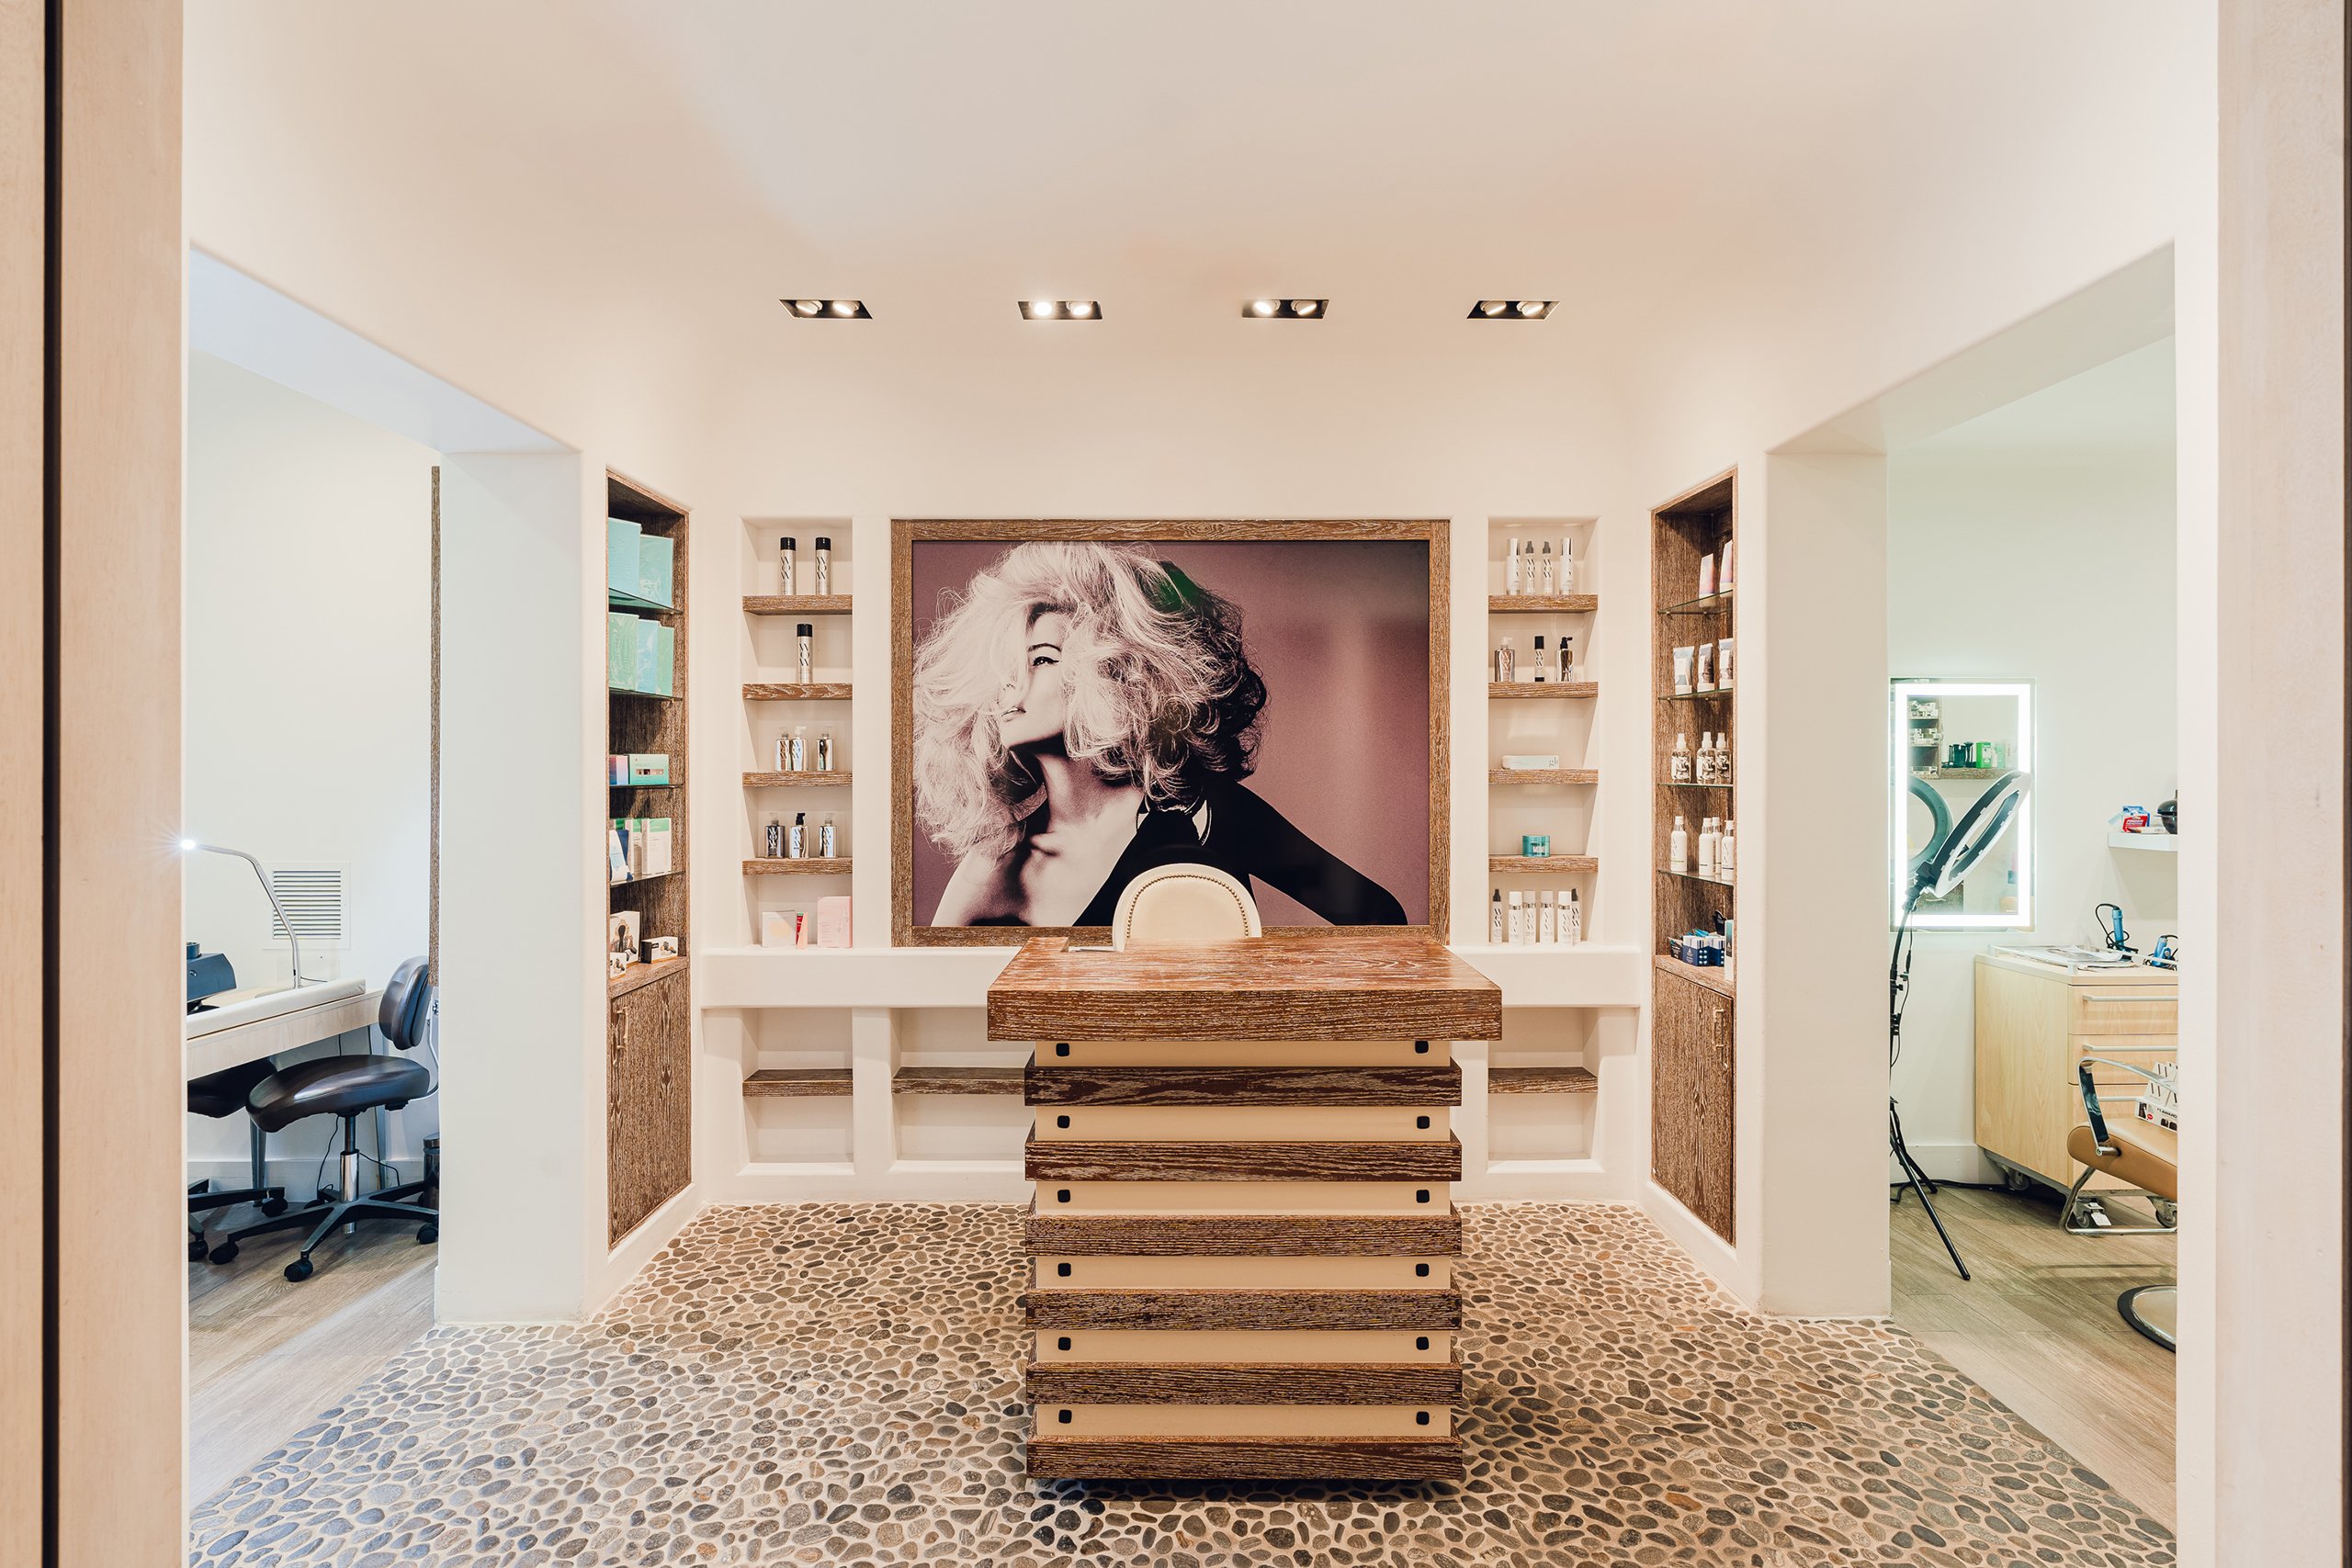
220	1095
2145	1157
1184	904
347	1088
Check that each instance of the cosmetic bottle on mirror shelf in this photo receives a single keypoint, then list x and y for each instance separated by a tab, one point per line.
824	564
803	644
783	574
826	839
776	838
1542	671
1547	923
1545	574
1722	757
1706	576
1494	918
1722	663
1572	920
1510	570
797	837
1506	665
1678	766
1723	852
824	751
1678	849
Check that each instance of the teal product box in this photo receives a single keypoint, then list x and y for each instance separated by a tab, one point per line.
665	666
623	541
648	677
1536	845
648	768
620	651
655	555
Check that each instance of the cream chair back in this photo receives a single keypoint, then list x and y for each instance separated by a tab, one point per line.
1184	904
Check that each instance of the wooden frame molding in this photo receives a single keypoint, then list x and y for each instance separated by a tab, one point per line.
905	533
1242	1236
1428	1311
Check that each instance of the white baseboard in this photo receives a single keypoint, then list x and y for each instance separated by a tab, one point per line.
1964	1163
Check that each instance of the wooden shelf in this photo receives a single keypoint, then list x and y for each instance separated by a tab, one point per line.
1560	865
796	603
1541	1080
1714	979
1695	697
1542	603
836	778
1556	689
656	876
1544	775
796	690
959	1080
641	975
797	1083
807	866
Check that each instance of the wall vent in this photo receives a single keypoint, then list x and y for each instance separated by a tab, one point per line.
313	898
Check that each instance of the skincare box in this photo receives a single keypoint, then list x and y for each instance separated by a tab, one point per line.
1535	844
1546	762
616	769
655	555
637	566
620	651
832	921
623	540
646	768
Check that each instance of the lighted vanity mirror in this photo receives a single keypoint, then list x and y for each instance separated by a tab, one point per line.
1952	744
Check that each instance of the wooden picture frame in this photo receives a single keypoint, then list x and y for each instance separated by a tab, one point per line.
905	533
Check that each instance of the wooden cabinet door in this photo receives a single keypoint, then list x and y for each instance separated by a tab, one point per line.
649	1129
1691	1107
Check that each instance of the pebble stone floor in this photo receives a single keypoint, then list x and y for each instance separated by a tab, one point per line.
836	1384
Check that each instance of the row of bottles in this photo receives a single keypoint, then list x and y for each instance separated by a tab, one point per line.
1711	764
1507	660
1716	850
1536	919
792	842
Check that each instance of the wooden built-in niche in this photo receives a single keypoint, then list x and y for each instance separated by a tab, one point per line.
1692	1119
648	1052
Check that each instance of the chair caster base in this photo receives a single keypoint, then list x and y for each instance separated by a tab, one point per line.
196	1249
273	1207
224	1253
426	1235
299	1271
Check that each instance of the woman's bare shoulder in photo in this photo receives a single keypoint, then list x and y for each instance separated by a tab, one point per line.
984	889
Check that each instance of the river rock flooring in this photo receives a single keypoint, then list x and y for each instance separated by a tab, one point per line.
837	1385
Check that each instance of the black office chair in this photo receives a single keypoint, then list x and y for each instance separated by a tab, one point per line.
217	1095
346	1086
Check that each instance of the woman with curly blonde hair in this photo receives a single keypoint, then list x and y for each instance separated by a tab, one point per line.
1083	713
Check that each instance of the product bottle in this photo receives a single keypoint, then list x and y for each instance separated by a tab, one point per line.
824	751
800	753
1678	849
782	752
1724	854
1546	578
1572	920
1494	918
1547	925
1505	664
796	838
776	838
1707	846
803	644
1511	568
1678	766
1542	671
1722	757
1567	568
783	549
824	564
1567	656
1703	765
825	837
1518	921
1706	576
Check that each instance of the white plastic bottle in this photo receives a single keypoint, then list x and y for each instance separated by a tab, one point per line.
1572	920
1506	662
1547	926
1704	763
826	837
1568	567
783	574
797	837
1511	568
1546	577
1723	852
1518	921
1678	766
1494	918
1722	757
1678	849
803	646
1707	847
824	564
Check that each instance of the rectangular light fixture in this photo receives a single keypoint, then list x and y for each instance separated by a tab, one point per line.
1286	310
1061	310
1511	310
829	309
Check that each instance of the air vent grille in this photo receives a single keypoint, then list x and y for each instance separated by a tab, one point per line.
313	898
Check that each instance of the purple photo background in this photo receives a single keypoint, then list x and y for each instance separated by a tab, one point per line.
1339	629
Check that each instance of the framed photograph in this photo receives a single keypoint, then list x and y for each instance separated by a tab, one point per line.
1078	702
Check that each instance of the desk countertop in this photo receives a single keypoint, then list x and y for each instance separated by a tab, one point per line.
231	1008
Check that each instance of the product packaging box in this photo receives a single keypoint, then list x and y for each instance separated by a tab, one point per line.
620	651
1547	760
832	921
616	769
1535	844
643	768
657	846
622	541
655	555
665	660
649	657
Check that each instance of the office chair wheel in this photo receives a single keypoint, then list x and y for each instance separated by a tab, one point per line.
299	1271
2166	1214
2016	1181
224	1253
428	1233
274	1207
196	1249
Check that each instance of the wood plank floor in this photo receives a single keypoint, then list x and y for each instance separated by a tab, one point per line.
264	1356
2038	1329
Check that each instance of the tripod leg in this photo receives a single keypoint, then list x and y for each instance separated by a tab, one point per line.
1919	1183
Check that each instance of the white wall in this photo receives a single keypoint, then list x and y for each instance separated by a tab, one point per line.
308	639
2036	543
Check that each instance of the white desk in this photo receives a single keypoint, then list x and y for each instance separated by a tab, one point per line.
245	1026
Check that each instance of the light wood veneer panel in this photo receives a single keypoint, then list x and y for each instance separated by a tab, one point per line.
1049	1085
1068	1160
1262	1235
1418	1311
1296	1382
1363	1458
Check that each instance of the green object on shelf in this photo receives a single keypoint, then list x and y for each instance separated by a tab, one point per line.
623	540
655	555
620	651
665	660
647	677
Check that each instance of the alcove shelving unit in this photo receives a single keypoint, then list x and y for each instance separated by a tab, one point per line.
759	607
1524	616
648	1036
1692	1061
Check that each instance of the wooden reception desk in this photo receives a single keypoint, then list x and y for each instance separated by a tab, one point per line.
1243	1242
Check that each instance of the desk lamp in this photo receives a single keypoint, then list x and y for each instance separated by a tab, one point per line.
1953	851
189	846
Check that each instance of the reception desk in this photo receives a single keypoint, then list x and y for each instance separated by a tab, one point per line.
1242	1245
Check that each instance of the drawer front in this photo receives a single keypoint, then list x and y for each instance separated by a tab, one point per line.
2096	1010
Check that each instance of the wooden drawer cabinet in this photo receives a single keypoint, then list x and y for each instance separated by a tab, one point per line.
2034	1026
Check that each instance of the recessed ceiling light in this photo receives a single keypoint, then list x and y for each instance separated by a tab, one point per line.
1511	310
1261	308
1285	309
836	310
1041	308
1061	310
1081	308
1304	307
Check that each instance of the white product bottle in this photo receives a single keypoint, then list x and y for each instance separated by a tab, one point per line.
804	647
1678	849
1546	578
784	576
796	758
1494	918
1703	763
1568	656
1724	854
1518	921
1568	567
1547	926
797	837
1511	568
1506	664
824	564
826	839
1678	766
1572	920
824	751
1707	847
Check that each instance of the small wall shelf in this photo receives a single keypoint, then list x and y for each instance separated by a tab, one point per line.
639	975
1543	866
1713	601
1712	978
1544	775
796	690
797	1083
1695	697
1688	784
959	1080
1542	603
1541	1080
807	866
1694	876
2162	843
833	778
796	603
1501	689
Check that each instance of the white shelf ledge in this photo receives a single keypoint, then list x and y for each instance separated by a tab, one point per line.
2163	843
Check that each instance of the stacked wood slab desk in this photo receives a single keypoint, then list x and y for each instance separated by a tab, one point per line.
1243	1244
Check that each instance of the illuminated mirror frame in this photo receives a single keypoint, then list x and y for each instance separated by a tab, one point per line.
1898	736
